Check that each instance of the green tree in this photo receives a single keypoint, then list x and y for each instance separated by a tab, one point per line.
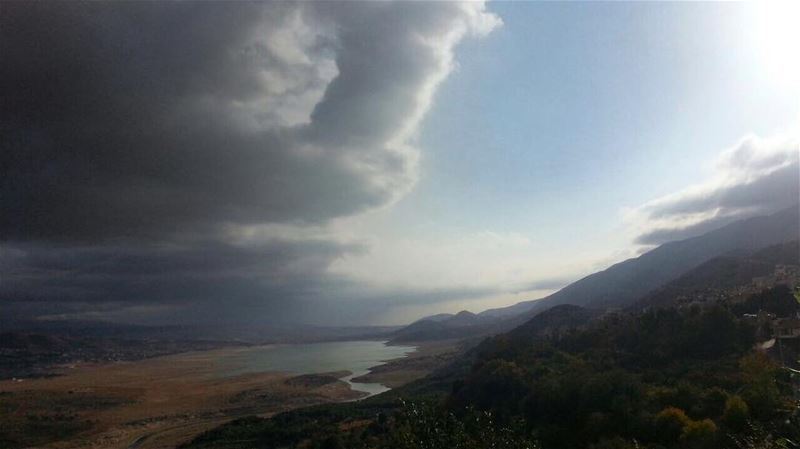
736	413
699	434
761	390
670	423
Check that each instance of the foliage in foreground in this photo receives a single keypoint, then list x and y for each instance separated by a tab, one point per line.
398	424
665	379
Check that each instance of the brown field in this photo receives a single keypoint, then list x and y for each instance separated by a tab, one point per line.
154	403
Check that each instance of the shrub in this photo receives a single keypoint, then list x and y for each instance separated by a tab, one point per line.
670	423
736	413
700	434
761	391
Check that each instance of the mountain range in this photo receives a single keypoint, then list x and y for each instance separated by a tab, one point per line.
746	248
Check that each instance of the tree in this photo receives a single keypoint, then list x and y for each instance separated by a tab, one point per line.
700	434
761	390
736	413
670	423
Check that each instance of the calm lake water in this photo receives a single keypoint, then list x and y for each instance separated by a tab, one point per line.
354	356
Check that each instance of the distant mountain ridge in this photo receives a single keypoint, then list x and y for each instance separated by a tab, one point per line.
442	326
624	283
438	317
627	281
509	311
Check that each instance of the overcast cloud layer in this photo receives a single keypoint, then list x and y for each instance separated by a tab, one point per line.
143	143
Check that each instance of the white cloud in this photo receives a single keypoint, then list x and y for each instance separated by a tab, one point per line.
756	176
468	260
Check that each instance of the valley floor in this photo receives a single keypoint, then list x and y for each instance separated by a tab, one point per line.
164	401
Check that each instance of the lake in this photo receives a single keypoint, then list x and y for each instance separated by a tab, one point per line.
307	358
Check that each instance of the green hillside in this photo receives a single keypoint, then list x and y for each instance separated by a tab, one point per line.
667	378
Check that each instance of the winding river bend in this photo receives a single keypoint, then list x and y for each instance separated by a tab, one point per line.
307	358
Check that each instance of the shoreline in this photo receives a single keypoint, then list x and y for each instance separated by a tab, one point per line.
426	357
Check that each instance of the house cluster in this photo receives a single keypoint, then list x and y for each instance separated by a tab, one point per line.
701	297
788	275
773	327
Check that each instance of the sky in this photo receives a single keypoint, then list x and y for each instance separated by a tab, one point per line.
374	162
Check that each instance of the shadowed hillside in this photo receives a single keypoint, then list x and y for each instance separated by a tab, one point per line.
721	276
623	283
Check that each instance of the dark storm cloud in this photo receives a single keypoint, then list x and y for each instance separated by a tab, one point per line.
756	177
210	275
206	282
147	119
140	138
163	273
121	121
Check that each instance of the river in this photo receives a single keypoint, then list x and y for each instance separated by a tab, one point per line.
307	358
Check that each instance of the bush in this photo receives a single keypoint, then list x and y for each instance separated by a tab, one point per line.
761	391
700	434
426	426
736	413
670	423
